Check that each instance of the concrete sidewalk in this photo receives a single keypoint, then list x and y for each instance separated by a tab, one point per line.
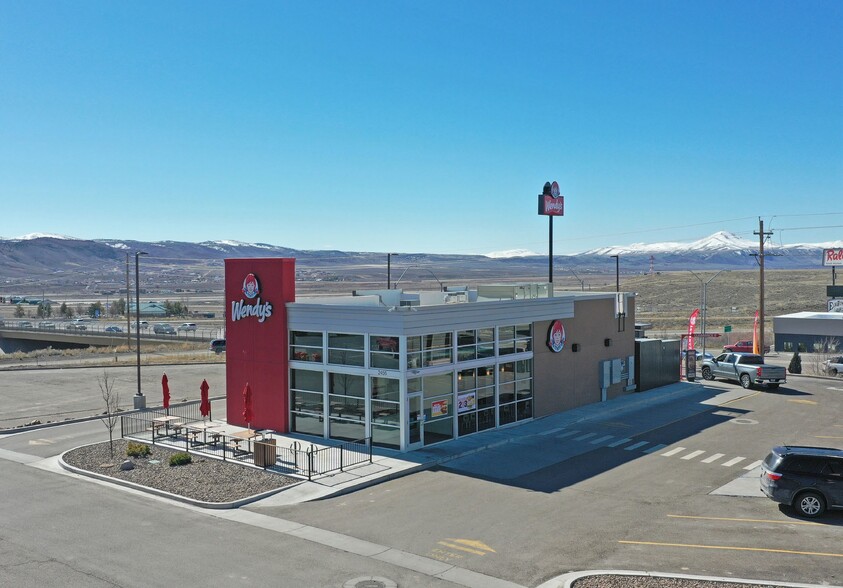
387	464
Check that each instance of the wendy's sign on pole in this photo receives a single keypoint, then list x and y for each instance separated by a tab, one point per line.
551	203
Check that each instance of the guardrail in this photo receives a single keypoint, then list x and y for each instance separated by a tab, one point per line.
99	330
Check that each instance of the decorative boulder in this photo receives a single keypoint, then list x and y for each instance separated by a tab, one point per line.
127	465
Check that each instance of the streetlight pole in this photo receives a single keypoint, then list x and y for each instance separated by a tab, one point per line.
140	401
617	273
389	270
704	303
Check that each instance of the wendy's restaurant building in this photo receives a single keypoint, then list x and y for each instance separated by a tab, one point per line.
408	370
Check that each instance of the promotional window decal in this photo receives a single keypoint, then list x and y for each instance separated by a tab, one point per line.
556	336
438	408
251	290
466	402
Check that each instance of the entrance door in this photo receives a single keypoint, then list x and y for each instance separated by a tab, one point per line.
415	431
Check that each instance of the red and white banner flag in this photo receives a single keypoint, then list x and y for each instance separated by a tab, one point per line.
692	326
756	348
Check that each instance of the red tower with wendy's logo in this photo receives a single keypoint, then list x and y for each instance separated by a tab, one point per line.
256	293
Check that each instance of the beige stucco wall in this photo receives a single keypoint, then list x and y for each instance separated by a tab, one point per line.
566	379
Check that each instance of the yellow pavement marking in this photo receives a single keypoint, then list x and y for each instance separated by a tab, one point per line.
741	398
827	437
801	401
41	442
732	548
469	545
672	516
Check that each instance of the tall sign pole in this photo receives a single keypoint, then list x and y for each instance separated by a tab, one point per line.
551	203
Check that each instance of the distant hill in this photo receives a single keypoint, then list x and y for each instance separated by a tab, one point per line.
39	256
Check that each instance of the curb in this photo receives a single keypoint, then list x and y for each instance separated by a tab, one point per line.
567	580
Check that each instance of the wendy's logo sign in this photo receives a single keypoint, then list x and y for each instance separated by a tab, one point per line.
251	290
556	336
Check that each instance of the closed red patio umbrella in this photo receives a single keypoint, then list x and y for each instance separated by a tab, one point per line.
247	406
205	404
166	386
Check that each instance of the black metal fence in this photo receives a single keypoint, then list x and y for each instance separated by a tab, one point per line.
185	428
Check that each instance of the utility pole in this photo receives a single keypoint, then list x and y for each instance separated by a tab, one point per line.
128	314
761	238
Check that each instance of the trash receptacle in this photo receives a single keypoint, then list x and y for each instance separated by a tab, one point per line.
265	453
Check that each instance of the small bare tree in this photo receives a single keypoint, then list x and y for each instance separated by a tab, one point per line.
112	406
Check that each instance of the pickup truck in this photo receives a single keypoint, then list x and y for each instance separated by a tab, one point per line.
746	368
743	347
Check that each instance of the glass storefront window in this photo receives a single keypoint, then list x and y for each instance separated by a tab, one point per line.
386	389
346	349
306	346
438	384
310	380
346	430
384	352
383	436
307	402
515	339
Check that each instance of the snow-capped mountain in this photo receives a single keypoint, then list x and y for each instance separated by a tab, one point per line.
719	241
38	256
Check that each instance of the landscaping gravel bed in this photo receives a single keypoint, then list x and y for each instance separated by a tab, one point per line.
609	581
205	479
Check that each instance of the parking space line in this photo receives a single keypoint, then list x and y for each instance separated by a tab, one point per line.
714	457
733	548
656	448
754	464
602	439
637	445
733	461
782	522
620	442
673	451
693	454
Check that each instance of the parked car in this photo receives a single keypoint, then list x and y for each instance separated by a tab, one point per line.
746	368
743	347
143	325
46	325
187	327
218	345
76	326
810	479
163	329
24	325
113	329
699	355
833	366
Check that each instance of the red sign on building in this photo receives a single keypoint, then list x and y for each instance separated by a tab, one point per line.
256	293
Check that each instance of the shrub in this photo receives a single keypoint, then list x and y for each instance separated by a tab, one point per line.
795	366
138	449
178	459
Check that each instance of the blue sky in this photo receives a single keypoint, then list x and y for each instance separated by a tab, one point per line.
424	126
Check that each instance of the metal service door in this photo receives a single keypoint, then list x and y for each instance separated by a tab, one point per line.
415	416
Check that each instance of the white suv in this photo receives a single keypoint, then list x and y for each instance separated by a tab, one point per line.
187	327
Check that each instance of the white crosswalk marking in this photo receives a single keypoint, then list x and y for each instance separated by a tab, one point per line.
733	461
656	448
712	458
620	442
673	451
583	437
693	454
568	434
551	431
602	439
637	445
754	465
